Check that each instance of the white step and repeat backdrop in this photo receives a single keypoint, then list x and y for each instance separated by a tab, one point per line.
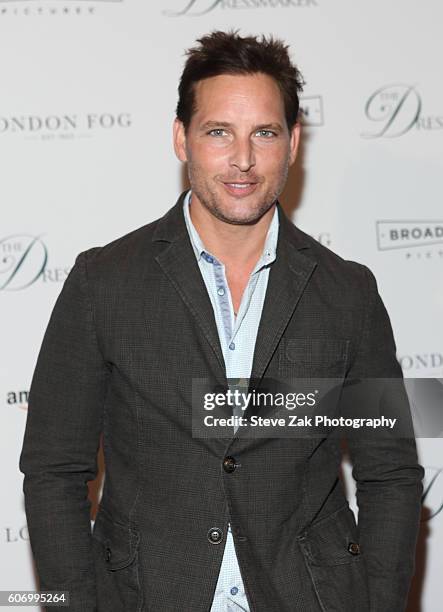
88	92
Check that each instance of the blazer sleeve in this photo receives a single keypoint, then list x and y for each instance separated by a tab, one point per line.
385	467
59	454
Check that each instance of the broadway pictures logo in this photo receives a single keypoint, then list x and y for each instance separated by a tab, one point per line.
196	8
23	261
40	8
409	235
63	126
394	110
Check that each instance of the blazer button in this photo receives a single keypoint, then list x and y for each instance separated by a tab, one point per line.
108	555
215	535
354	548
229	464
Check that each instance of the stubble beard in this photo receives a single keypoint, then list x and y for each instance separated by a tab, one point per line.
214	205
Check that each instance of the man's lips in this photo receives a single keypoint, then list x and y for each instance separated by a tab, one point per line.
240	188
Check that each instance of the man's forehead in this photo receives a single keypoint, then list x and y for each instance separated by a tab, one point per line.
251	93
237	83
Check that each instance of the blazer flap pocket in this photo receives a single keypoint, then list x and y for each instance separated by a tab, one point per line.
316	352
119	541
332	540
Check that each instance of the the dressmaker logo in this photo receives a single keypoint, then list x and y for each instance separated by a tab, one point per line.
432	497
417	239
394	110
23	262
311	111
196	8
23	259
42	8
64	126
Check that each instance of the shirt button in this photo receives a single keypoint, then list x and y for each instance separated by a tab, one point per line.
234	591
221	291
215	535
232	346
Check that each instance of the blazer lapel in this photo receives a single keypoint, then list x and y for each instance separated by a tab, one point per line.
288	277
179	263
181	267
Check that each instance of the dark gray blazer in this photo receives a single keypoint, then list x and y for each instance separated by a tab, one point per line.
131	328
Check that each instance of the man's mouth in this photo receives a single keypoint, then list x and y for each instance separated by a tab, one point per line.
240	189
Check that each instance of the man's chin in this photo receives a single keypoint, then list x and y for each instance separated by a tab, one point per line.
243	214
234	211
243	218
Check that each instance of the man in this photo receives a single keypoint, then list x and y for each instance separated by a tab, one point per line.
222	287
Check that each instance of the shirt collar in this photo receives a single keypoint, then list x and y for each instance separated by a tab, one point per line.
196	241
270	248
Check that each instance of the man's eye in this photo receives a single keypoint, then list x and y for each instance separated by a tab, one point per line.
266	133
217	132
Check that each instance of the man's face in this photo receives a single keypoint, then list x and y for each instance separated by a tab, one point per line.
237	146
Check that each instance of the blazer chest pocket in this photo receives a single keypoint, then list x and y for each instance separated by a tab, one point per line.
313	357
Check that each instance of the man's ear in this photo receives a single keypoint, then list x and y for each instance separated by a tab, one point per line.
294	142
179	140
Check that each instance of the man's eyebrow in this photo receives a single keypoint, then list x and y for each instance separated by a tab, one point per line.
269	126
214	124
225	124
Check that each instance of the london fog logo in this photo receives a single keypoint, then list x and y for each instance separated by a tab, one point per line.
63	126
395	110
196	8
23	262
409	236
12	535
40	8
422	363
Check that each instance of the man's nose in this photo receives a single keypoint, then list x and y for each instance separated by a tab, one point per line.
243	156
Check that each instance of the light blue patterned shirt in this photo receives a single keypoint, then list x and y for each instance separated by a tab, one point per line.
237	339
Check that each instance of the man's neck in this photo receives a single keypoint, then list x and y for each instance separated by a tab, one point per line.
233	245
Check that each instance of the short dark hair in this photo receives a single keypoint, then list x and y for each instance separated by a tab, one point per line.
228	53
